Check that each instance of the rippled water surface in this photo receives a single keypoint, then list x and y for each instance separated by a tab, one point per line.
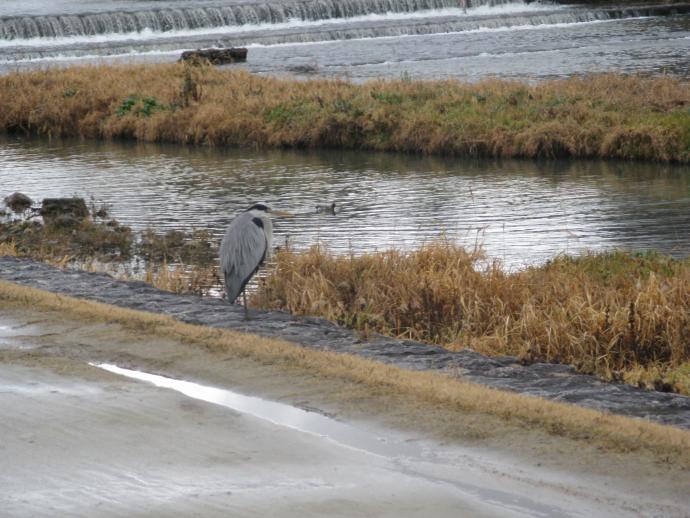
523	212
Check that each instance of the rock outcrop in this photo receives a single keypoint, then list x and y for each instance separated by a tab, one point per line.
64	211
18	202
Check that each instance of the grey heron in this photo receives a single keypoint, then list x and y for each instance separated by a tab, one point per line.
245	246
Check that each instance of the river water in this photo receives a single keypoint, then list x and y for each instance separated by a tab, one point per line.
522	212
356	39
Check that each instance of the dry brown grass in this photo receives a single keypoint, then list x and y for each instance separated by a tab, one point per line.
8	248
608	116
175	277
181	262
617	433
180	278
619	315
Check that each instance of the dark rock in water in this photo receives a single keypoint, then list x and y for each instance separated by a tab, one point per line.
64	211
215	56
18	202
550	381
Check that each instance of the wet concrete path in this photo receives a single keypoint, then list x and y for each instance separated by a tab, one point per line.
556	382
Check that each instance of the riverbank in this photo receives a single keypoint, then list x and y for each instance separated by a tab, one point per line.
601	116
622	316
609	431
548	381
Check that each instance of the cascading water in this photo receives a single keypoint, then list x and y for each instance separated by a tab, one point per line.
206	17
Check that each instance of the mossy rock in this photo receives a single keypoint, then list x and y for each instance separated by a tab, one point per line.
62	210
18	202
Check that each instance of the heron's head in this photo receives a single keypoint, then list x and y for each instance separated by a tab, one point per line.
260	208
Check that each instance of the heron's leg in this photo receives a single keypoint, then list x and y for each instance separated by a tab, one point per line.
246	309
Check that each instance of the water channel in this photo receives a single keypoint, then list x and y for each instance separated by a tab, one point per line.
521	212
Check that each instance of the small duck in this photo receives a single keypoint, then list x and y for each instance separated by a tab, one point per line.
326	209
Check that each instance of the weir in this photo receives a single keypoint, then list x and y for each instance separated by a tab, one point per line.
195	18
286	33
206	17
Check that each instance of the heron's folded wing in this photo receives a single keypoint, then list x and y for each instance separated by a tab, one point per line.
242	250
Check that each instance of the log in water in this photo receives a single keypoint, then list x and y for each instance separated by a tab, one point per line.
215	56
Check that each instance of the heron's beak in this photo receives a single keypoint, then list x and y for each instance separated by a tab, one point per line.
282	214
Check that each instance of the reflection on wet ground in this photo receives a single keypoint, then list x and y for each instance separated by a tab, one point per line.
277	413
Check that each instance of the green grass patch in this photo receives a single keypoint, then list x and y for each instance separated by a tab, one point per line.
145	106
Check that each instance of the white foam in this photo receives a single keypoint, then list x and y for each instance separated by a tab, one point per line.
152	53
94	57
171	52
509	28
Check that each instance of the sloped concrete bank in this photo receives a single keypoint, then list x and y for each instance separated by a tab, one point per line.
556	382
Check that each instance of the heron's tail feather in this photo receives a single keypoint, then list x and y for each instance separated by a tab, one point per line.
232	289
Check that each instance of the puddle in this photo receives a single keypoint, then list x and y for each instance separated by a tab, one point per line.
4	333
411	458
7	329
279	414
20	335
10	328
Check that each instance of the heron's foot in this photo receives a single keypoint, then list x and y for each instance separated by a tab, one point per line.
246	308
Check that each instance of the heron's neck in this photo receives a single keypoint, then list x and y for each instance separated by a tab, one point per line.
266	220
